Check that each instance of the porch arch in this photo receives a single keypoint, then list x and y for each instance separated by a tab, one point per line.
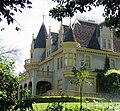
25	86
20	94
30	86
42	87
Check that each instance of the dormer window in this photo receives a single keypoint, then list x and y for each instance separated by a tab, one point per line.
106	43
103	43
109	44
106	38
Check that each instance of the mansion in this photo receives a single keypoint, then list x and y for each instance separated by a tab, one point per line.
53	55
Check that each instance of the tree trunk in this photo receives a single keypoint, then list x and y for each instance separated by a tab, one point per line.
81	88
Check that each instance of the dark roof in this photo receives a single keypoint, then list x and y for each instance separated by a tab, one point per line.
94	43
85	33
116	44
40	41
65	28
54	38
68	37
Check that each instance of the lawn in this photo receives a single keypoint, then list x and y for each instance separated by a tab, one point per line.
42	106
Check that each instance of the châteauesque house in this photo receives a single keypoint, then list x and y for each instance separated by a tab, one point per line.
53	55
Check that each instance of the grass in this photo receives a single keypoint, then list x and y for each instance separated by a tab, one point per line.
42	106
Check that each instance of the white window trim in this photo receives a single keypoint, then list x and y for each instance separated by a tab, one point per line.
90	61
106	43
114	62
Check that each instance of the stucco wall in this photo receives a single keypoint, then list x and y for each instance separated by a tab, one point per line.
37	53
98	62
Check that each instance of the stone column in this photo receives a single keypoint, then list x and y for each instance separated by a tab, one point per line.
18	93
33	85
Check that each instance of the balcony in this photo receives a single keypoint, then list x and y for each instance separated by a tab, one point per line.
38	73
45	74
27	61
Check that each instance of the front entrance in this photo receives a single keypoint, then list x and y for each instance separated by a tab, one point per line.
42	87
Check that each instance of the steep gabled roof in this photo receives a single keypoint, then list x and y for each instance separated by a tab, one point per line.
94	43
84	33
116	44
40	41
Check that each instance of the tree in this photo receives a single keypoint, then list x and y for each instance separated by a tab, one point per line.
80	75
9	88
8	85
109	83
107	63
8	8
67	8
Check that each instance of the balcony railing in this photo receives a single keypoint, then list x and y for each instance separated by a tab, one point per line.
85	94
27	61
73	93
39	73
44	73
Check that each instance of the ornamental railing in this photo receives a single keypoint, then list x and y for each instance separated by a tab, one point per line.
105	96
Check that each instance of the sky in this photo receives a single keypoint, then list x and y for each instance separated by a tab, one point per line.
30	21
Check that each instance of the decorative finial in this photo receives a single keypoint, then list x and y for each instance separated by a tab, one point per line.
70	22
50	31
49	28
43	17
33	36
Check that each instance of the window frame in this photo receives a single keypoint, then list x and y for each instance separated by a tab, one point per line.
108	43
111	64
70	59
59	84
90	61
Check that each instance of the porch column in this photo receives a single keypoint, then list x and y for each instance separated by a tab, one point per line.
33	86
19	93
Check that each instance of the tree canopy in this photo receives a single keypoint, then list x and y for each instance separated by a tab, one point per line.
9	89
67	8
8	8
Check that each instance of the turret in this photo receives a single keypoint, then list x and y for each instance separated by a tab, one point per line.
39	44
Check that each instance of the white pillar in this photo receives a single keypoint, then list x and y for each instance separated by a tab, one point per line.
33	86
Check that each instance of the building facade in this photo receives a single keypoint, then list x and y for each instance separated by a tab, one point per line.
53	55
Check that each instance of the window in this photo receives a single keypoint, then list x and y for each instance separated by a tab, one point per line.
88	62
104	43
47	69
109	44
61	62
43	69
58	63
69	59
31	55
60	84
112	63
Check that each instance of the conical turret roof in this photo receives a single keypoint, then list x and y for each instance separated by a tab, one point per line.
40	41
69	36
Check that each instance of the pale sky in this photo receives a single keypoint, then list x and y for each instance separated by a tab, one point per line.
30	21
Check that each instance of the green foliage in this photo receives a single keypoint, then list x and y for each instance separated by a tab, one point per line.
67	8
54	99
110	83
9	88
65	99
80	76
8	85
55	107
8	8
107	64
